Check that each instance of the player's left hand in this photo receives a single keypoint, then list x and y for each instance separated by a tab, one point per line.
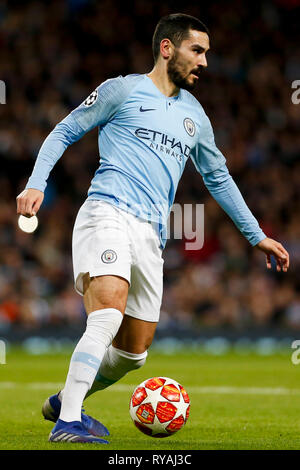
272	247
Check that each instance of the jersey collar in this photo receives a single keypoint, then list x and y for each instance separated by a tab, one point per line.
158	92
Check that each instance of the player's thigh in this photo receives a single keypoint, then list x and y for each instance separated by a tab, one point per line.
100	243
145	293
134	335
101	292
101	256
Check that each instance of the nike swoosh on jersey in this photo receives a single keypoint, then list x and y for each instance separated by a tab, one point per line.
146	109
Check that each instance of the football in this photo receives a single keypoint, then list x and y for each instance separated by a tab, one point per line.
159	407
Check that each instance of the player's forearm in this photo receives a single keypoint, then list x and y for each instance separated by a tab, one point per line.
224	190
63	135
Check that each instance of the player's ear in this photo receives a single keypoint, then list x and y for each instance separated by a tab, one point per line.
166	48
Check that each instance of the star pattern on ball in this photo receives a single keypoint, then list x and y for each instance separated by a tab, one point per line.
154	397
159	406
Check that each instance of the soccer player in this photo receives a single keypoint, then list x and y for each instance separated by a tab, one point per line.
149	125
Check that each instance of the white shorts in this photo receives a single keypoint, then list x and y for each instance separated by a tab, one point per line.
110	241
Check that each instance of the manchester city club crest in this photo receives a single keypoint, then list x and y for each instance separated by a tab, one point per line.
91	99
189	126
109	256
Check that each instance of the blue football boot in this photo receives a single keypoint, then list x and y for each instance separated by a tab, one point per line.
73	432
51	411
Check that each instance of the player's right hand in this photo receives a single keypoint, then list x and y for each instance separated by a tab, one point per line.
29	201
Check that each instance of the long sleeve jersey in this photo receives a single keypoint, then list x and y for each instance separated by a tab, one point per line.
145	139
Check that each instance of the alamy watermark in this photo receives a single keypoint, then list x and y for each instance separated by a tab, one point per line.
296	93
2	92
2	352
184	222
188	223
296	354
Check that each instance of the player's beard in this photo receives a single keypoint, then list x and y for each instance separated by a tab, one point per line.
177	73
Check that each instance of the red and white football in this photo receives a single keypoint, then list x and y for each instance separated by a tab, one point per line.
159	407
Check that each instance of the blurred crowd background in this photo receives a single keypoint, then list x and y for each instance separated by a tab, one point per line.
53	54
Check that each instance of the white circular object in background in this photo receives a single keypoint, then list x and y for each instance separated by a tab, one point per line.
28	224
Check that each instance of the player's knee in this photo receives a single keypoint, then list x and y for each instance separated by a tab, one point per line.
105	292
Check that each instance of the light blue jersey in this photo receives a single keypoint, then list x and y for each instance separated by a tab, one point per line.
145	139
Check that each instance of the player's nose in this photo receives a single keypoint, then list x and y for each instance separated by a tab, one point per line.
202	61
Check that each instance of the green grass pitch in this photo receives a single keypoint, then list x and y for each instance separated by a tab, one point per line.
237	402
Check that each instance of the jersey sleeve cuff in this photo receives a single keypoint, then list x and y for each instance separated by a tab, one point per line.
257	238
36	183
